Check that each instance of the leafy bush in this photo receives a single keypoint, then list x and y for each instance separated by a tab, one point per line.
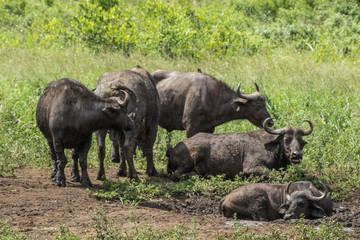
193	30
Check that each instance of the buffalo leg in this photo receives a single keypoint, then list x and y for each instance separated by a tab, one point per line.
259	210
147	149
100	140
257	171
61	160
192	129
54	161
129	155
121	149
122	166
115	155
75	175
82	152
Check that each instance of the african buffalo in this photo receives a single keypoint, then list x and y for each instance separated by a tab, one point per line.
67	113
265	201
232	153
143	108
198	102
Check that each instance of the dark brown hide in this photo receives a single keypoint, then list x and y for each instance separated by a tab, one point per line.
67	113
198	102
232	153
265	201
143	108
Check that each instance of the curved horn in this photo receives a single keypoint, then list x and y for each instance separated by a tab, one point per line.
272	131
311	197
244	96
287	194
257	87
311	128
124	103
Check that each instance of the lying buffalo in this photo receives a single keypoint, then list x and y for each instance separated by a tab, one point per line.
67	113
198	102
232	153
265	201
143	108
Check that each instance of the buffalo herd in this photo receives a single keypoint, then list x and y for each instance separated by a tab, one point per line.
129	105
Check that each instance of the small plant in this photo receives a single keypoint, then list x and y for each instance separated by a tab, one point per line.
326	230
9	233
103	227
66	234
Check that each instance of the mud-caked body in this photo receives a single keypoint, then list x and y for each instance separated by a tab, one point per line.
198	102
234	153
144	110
67	114
265	201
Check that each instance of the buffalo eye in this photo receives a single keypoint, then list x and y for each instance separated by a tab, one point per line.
288	140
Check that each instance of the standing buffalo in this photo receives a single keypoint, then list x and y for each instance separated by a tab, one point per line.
143	108
67	113
232	153
265	201
198	102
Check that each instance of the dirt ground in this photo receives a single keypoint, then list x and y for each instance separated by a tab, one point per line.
33	204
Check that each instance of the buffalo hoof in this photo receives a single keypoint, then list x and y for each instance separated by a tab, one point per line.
121	173
174	178
86	183
60	179
53	176
152	173
60	183
75	177
134	177
115	159
101	176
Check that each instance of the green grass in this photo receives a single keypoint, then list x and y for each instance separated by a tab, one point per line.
104	228
296	87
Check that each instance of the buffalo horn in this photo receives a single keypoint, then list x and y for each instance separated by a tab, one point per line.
311	197
245	96
124	103
287	194
257	87
272	131
311	128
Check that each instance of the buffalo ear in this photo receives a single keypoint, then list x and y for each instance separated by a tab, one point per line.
316	211
237	104
283	208
303	143
272	145
111	111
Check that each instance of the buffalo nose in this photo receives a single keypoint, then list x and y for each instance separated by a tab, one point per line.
297	155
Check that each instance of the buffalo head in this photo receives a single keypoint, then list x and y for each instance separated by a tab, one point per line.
303	202
253	106
290	138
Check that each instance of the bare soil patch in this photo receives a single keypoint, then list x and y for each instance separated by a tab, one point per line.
33	204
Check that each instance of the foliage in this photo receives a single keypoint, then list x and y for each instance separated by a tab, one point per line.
8	233
330	30
105	229
66	234
331	230
331	155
